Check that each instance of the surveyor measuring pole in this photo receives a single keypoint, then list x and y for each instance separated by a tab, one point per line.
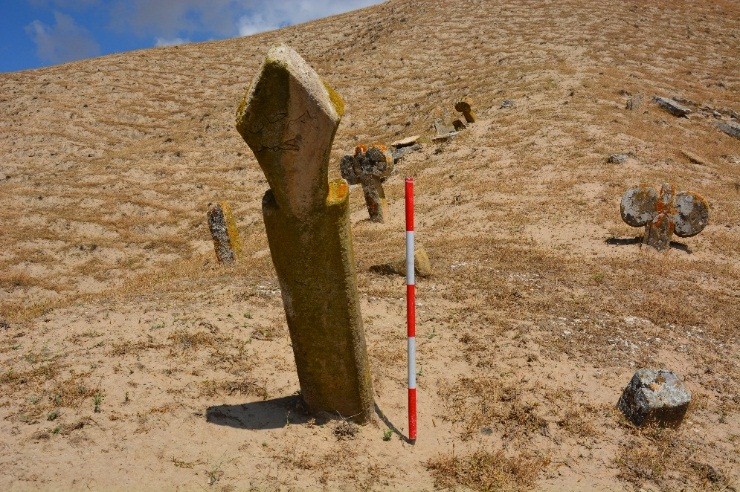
411	305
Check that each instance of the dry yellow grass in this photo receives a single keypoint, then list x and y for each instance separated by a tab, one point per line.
527	332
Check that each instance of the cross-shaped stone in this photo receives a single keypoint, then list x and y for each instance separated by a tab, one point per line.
685	213
369	167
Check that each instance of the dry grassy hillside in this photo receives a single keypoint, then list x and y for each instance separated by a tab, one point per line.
129	358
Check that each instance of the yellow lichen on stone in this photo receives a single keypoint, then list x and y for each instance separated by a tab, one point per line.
338	191
234	239
336	99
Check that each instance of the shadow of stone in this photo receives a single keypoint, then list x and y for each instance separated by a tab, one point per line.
619	241
260	415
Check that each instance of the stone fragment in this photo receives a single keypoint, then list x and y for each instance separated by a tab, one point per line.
729	127
405	142
673	107
402	151
465	106
226	239
655	397
459	125
443	130
369	167
288	118
662	214
634	102
621	158
422	265
506	104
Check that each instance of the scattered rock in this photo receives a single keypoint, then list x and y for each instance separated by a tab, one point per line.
398	153
634	102
673	106
506	104
422	265
405	142
695	158
655	396
443	130
459	125
621	158
465	106
729	127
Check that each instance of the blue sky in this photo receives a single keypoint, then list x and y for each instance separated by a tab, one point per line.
38	33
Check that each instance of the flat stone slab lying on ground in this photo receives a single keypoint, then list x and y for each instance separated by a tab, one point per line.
655	396
405	142
672	106
729	127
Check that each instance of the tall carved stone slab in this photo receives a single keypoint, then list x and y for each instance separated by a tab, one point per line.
226	239
288	118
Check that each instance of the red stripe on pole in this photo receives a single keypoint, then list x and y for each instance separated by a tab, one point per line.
411	306
409	204
412	414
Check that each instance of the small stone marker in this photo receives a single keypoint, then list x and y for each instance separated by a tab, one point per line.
369	167
422	265
465	106
673	107
655	396
662	214
634	102
226	239
289	118
729	127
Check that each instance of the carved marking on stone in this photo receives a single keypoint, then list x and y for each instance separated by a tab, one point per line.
288	118
665	213
465	106
225	235
369	167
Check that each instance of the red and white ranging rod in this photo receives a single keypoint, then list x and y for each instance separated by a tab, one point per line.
411	305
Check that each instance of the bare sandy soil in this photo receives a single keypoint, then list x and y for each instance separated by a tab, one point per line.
129	359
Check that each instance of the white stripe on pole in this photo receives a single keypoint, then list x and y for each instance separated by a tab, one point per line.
412	362
410	278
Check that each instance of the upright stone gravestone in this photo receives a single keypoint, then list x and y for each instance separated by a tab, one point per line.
369	167
665	213
288	118
226	239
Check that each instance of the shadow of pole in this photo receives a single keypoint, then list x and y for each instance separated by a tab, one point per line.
390	425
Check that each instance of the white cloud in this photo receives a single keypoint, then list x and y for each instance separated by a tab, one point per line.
62	42
170	42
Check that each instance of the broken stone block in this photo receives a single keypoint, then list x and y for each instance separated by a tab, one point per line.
369	167
729	127
621	158
226	239
465	106
443	130
662	214
400	152
655	396
422	265
672	106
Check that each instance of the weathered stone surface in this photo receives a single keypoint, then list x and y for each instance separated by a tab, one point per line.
288	118
465	106
729	127
672	106
664	213
422	265
369	167
655	396
226	239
